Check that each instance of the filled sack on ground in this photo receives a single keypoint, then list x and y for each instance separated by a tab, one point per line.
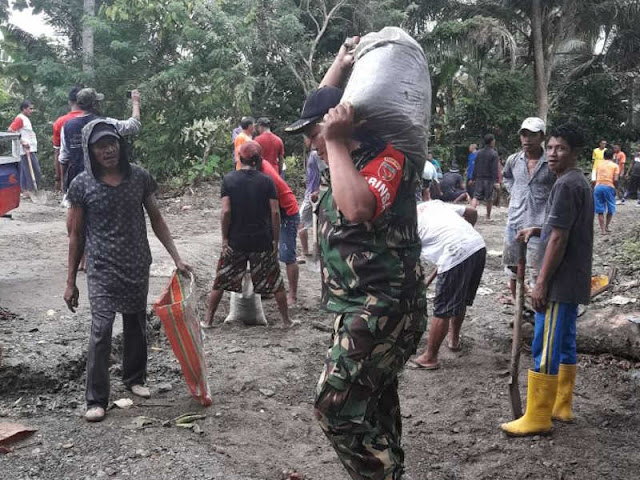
246	307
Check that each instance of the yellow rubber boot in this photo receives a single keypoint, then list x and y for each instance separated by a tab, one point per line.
564	398
541	394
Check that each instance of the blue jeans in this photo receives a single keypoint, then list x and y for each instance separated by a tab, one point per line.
554	341
288	235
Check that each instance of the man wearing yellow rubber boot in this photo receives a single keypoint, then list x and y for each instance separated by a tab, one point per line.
563	283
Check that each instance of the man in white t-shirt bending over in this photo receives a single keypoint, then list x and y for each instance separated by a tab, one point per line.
458	250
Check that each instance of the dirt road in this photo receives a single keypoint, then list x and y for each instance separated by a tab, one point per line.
262	379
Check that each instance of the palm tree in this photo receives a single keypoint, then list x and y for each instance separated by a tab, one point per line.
460	48
87	36
553	27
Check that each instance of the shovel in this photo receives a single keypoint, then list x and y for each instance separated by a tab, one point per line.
516	344
37	196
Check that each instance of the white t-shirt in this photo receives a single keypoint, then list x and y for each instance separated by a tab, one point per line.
447	238
27	135
429	172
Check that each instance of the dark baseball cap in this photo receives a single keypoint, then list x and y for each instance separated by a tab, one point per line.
87	97
263	121
316	105
102	130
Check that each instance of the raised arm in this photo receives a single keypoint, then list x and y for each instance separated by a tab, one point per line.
350	189
339	70
135	104
131	126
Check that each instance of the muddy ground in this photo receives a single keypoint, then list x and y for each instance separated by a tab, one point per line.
262	379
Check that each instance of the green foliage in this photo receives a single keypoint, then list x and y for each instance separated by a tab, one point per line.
209	169
213	138
295	174
599	104
504	99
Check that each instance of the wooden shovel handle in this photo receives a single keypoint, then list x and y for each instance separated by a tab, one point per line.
516	345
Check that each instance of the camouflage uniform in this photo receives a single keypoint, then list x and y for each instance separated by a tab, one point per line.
372	280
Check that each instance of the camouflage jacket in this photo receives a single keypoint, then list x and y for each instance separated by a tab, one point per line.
372	266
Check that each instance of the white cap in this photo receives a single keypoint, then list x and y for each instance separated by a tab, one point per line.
533	124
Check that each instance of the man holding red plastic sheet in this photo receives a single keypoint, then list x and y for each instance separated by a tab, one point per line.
107	204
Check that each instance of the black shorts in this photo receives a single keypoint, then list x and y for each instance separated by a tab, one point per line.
456	288
483	189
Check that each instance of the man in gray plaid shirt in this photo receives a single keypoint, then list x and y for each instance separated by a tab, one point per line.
528	179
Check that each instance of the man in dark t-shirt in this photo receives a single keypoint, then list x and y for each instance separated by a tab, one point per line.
452	186
564	282
485	174
250	229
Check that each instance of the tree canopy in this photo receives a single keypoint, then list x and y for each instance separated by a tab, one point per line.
203	64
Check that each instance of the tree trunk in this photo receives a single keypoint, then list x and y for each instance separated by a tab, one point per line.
635	102
87	37
542	101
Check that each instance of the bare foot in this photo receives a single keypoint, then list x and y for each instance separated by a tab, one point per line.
291	300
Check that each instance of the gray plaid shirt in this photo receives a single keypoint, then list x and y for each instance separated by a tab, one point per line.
529	194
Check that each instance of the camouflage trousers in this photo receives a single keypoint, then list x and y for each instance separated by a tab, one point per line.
357	401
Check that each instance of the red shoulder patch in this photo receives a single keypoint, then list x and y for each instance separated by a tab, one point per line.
388	169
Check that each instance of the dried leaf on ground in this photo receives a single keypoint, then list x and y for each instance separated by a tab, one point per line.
12	432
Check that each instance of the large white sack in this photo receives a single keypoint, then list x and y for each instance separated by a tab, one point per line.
390	87
246	306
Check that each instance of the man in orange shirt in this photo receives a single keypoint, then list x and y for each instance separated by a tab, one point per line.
604	194
620	158
247	125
